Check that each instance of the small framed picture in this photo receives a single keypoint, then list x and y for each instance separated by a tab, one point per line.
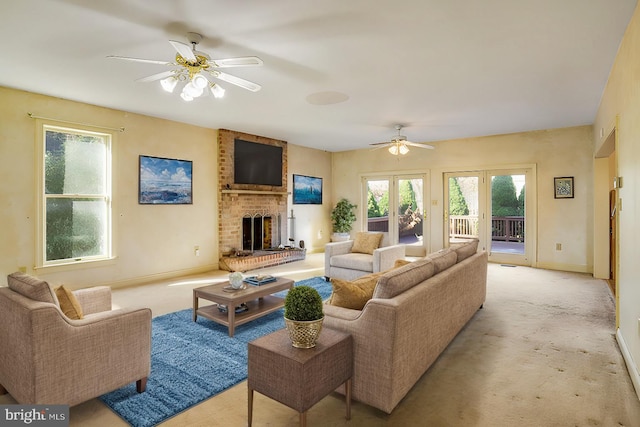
563	187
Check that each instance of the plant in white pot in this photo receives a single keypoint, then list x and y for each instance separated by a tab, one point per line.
342	219
303	315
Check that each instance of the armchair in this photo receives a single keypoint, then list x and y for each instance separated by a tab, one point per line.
48	358
342	262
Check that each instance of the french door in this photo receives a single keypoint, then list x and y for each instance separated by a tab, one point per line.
394	205
496	207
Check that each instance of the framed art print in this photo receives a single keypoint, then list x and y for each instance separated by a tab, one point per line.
563	187
165	181
307	190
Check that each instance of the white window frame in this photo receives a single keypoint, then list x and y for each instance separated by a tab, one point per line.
108	256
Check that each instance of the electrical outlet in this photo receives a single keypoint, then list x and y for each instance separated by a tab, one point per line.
558	246
196	250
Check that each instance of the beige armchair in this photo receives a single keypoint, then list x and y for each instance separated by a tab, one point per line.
48	358
355	258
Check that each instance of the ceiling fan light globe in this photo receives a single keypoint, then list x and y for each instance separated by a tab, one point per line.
200	81
191	90
217	91
393	149
185	96
403	149
169	84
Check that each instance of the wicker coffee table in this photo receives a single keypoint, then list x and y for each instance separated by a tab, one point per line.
258	299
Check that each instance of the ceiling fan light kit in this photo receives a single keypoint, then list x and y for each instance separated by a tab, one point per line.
192	66
399	146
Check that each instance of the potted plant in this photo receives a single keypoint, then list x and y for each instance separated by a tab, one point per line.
342	218
303	315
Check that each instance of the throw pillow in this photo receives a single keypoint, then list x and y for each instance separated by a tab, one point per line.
366	242
353	294
68	303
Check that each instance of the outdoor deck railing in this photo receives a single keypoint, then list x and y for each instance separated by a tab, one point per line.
503	228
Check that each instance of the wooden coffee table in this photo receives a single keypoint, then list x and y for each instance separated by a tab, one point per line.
259	300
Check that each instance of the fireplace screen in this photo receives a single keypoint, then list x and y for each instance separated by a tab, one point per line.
256	233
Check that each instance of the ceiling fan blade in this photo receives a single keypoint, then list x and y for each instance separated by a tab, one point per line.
418	144
148	61
242	61
158	76
381	143
184	50
245	84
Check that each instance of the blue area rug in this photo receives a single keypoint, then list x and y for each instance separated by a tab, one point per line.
191	362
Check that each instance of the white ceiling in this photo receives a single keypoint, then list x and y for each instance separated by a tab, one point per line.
445	69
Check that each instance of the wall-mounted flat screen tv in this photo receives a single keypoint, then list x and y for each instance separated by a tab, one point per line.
259	164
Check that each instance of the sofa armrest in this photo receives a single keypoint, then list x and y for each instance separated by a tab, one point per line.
335	248
80	359
384	258
94	300
341	312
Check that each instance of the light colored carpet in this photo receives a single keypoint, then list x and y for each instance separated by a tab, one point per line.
542	352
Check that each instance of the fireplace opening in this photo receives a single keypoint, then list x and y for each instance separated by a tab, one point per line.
256	233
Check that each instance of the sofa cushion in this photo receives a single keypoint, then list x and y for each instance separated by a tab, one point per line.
68	303
366	242
31	287
465	249
443	259
398	280
353	261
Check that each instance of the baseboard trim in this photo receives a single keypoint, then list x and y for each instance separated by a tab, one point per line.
564	267
628	359
141	280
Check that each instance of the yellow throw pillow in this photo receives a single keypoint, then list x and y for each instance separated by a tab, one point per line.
400	263
68	303
354	294
366	243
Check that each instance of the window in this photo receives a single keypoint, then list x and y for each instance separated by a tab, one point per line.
75	196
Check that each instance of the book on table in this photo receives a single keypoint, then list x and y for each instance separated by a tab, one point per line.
260	280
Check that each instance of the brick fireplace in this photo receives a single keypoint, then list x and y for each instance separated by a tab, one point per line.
252	219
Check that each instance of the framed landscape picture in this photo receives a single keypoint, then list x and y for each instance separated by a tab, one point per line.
563	187
307	190
165	181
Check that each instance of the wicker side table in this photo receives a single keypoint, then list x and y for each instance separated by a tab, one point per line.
296	377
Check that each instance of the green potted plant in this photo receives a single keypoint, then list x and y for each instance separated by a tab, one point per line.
303	315
342	218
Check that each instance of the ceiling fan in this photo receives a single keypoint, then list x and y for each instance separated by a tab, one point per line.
194	68
399	144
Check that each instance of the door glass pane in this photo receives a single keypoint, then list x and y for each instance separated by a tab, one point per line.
463	207
507	213
378	205
410	211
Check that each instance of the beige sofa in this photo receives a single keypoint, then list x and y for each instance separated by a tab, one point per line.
341	261
48	358
415	312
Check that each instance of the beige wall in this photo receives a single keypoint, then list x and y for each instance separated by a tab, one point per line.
558	152
312	222
152	241
621	103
